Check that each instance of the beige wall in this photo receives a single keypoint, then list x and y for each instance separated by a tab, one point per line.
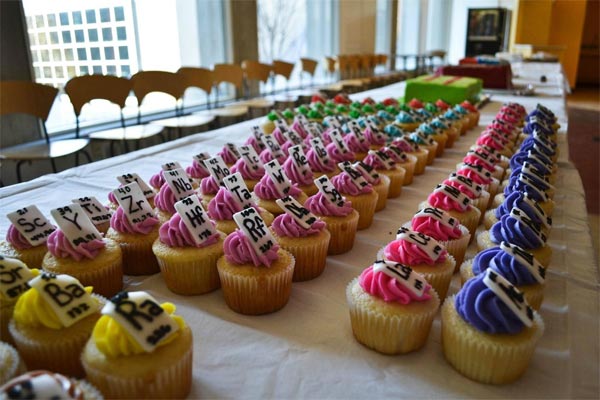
357	26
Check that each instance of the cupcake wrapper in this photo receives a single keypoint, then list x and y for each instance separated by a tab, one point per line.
167	382
310	255
458	247
252	295
409	169
441	141
365	206
432	152
191	278
343	232
396	181
138	259
388	334
422	157
482	204
382	189
484	359
453	134
440	279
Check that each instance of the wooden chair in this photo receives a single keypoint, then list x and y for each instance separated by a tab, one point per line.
255	71
228	73
309	66
83	89
330	67
24	97
201	78
284	69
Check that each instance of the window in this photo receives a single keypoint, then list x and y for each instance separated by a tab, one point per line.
111	70
69	54
93	35
107	34
79	36
42	38
119	14
83	70
71	72
77	20
105	15
56	55
39	21
81	54
95	53
97	69
123	53
66	37
109	53
90	16
121	33
125	71
64	18
53	38
45	55
51	20
58	72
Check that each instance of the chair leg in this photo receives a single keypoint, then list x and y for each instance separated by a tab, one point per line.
19	164
87	155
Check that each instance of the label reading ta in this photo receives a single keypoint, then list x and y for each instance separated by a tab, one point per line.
75	224
404	274
429	245
301	215
237	187
31	223
14	276
133	177
65	296
510	295
95	211
179	183
142	317
134	203
250	222
329	191
217	169
195	218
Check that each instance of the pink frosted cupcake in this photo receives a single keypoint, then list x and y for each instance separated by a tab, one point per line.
403	160
229	154
296	168
375	137
17	246
208	189
157	180
359	192
380	183
384	165
222	207
413	149
357	144
269	189
319	160
250	173
480	198
455	203
480	176
197	170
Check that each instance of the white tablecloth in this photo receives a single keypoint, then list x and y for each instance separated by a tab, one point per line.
307	349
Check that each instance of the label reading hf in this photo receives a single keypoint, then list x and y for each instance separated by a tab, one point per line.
454	194
134	203
179	183
357	179
439	215
237	187
75	224
133	177
329	191
273	146
142	317
527	259
195	218
217	169
320	151
14	276
367	171
95	211
278	177
510	295
299	160
30	223
258	134
301	215
338	140
250	222
404	274
65	296
429	245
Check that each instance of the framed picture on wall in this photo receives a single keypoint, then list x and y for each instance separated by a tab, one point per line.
486	31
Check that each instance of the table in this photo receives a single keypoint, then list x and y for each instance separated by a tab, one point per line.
307	349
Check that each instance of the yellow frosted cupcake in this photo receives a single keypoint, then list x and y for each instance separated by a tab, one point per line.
13	284
391	308
351	184
139	349
52	321
337	212
187	250
489	333
42	384
305	236
256	274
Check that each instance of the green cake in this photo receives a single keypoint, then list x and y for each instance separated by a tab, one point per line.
451	89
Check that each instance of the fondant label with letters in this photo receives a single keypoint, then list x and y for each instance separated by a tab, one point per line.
329	191
332	122
250	157
358	134
171	166
278	177
273	146
439	215
320	151
383	158
195	218
14	276
379	136
357	179
133	177
402	157
299	160
217	168
258	134
95	211
478	170
541	214
232	150
455	194
238	189
301	215
338	140
467	183
293	138
250	222
404	274
75	224
30	223
520	216
426	243
510	295
179	183
134	203
367	171
527	259
200	160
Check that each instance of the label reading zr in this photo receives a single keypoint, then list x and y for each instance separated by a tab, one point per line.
134	203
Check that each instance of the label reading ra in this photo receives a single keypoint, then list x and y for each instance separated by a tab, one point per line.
134	203
300	214
195	218
95	211
250	222
133	177
31	223
217	169
237	187
179	183
329	191
75	224
429	245
403	274
14	277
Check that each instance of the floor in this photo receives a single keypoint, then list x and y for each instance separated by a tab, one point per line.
584	112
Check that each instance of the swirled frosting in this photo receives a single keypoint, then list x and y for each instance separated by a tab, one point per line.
403	145
393	131
505	264
533	191
405	118
407	253
157	180
372	161
223	206
372	138
468	106
511	230
209	185
174	233
415	103
16	239
238	250
345	185
292	172
299	129
265	156
247	173
227	156
434	228
445	202
165	199
539	182
278	135
474	176
265	189
20	387
338	157
388	289
195	170
480	307
315	162
286	226
251	141
487	139
320	205
355	145
442	105
462	187
471	159
60	247
517	199
121	224
519	158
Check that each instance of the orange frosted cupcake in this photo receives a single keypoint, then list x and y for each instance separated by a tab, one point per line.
256	275
139	349
351	184
338	214
52	321
305	236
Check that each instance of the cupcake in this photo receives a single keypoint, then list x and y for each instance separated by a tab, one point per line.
175	188
357	143
249	166
516	228
412	149
52	321
126	179
296	168
42	384
480	176
384	165
256	275
455	121
447	230
485	160
98	213
437	134
78	249
209	186
351	184
473	112
405	161
424	141
338	151
524	202
187	250
391	308
424	255
519	267
338	214
480	198
11	364
276	185
374	136
26	236
447	128
230	154
305	236
198	171
12	286
319	160
139	349
380	183
135	230
455	203
489	332
208	189
406	122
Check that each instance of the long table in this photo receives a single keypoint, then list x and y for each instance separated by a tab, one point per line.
307	349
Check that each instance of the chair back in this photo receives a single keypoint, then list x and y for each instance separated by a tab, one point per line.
229	73
330	64
254	70
24	97
145	82
201	78
83	89
308	65
283	68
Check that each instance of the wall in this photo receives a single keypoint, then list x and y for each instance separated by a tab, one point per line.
357	26
588	71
